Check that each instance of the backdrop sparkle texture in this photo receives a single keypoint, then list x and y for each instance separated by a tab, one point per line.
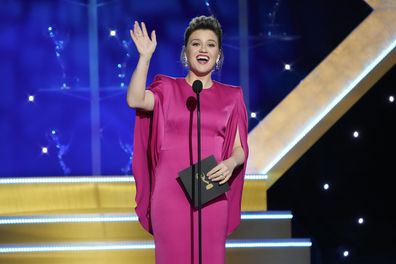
45	103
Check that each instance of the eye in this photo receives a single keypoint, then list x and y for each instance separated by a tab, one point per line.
195	44
212	45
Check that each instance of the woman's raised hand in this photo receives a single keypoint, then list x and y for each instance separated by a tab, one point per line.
143	43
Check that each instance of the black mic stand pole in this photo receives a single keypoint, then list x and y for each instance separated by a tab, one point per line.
197	87
199	180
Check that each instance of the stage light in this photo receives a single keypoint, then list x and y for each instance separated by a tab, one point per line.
49	28
360	220
119	66
355	134
253	115
391	98
139	245
255	176
326	186
44	150
92	179
118	217
345	253
113	33
65	86
287	67
31	98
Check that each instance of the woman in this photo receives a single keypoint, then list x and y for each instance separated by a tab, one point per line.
165	143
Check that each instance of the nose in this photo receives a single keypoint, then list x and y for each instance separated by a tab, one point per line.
202	48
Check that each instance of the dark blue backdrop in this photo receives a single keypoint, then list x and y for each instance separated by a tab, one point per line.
44	52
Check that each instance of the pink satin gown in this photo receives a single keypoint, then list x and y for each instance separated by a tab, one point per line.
172	137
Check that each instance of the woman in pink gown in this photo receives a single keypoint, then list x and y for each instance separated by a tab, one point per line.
165	142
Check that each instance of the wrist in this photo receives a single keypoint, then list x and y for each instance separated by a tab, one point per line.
233	161
145	58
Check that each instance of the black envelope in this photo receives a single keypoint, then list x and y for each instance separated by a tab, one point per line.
210	189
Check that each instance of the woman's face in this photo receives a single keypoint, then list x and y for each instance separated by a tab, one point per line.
202	51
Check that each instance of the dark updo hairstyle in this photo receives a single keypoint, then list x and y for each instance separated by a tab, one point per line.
203	22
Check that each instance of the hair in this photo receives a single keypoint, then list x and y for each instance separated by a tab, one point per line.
203	22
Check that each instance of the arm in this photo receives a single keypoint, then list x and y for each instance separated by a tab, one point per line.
137	95
223	171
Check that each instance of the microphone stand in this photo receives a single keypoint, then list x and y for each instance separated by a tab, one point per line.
199	180
197	88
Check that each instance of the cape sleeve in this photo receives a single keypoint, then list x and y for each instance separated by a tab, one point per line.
148	128
238	119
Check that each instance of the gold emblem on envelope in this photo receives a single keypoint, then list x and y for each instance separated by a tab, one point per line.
209	185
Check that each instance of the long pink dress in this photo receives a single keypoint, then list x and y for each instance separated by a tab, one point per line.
165	142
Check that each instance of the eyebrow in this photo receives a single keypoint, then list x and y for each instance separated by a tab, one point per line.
200	40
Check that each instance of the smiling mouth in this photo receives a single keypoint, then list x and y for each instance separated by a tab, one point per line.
202	59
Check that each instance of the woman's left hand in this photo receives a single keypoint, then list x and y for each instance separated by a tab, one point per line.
223	171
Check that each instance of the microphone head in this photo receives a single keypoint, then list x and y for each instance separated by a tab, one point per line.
197	86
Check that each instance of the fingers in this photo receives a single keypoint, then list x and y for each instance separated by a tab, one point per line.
214	172
219	178
217	173
221	173
153	37
132	35
225	180
137	30
144	30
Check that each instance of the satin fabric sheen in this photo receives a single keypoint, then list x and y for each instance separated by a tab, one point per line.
165	142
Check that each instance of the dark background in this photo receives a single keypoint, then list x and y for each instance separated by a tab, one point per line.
44	51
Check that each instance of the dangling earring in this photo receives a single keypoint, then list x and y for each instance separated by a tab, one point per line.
185	62
217	63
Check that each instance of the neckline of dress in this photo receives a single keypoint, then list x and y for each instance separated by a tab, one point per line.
203	89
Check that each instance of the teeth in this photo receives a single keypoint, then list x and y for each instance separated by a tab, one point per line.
203	58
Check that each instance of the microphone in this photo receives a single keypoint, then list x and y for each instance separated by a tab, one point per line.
197	86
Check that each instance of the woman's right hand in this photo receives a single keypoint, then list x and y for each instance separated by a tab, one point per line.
143	43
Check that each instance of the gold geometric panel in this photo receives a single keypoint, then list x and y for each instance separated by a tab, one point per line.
336	84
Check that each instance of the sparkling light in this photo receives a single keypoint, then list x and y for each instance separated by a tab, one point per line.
44	150
345	253
391	99
360	220
287	67
62	149
113	33
326	186
31	98
253	115
355	134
